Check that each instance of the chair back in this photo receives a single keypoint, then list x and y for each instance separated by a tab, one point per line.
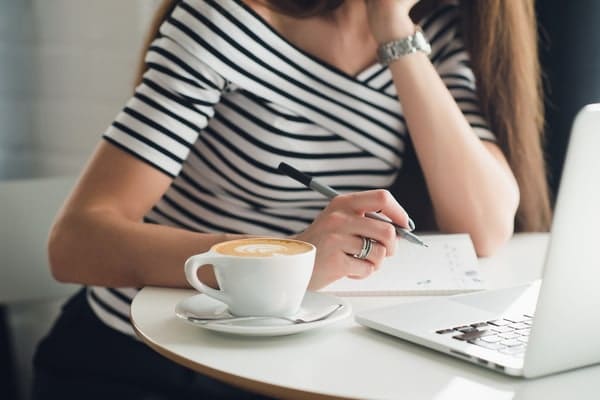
27	209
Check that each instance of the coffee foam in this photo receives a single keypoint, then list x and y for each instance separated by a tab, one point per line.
262	247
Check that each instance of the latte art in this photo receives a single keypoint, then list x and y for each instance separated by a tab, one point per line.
262	247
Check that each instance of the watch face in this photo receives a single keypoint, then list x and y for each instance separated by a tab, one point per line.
420	42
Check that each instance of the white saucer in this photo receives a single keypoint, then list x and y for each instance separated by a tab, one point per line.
201	304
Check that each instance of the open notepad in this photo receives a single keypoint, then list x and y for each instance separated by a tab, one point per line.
449	265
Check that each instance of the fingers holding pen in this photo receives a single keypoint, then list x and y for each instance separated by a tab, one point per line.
361	218
344	246
358	227
349	242
379	200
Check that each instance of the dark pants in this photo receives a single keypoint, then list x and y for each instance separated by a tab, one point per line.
83	358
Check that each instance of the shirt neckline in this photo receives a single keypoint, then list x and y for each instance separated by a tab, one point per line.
358	77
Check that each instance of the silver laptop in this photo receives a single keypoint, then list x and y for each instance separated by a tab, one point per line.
541	328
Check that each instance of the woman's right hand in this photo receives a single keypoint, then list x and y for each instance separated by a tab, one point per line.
338	233
389	19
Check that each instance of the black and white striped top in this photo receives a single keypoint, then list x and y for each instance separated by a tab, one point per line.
226	99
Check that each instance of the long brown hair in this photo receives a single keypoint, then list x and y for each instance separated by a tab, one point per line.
501	36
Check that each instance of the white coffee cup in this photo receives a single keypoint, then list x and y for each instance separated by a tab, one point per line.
256	276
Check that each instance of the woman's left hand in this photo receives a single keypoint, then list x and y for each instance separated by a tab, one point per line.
389	19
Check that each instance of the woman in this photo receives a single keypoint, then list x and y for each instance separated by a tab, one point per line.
232	88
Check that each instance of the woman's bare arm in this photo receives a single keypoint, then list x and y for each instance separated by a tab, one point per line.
471	185
99	238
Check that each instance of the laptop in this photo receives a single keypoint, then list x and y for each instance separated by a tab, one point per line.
540	328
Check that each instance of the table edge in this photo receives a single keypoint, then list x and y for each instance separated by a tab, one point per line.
252	385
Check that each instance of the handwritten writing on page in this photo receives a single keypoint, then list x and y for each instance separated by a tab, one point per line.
449	265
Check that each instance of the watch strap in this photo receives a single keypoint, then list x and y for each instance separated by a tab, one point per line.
395	49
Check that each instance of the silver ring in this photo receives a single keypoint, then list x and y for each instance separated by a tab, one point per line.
367	246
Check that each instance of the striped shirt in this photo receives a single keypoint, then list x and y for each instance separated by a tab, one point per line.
226	99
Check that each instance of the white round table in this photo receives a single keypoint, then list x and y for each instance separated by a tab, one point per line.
347	360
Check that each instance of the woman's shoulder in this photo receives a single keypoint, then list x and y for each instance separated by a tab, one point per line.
212	23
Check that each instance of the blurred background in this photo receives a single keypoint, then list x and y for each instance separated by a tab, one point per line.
67	67
570	56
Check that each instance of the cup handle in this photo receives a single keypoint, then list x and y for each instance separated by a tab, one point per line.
192	265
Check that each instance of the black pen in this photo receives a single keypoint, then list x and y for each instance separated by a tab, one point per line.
330	193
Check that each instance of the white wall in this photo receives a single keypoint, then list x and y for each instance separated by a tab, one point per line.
66	68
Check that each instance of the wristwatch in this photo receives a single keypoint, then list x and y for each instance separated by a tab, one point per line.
393	50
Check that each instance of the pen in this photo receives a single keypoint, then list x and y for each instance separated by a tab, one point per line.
330	193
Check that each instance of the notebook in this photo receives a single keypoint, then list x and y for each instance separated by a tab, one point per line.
537	328
448	266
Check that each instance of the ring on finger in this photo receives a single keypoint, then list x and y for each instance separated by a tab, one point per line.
367	246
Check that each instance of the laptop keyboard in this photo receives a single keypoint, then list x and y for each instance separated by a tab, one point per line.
507	335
